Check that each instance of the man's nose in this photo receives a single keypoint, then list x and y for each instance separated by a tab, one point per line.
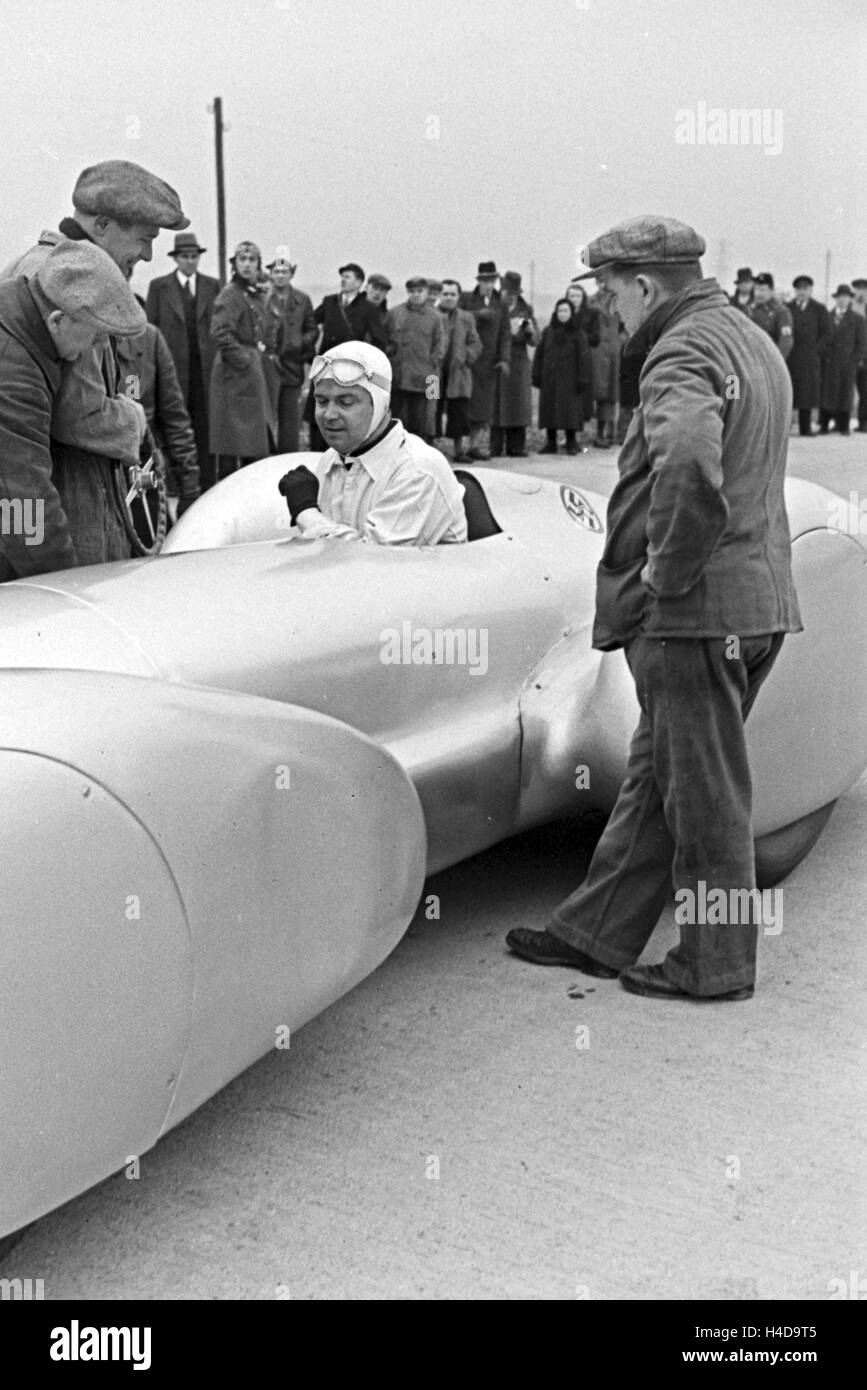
147	252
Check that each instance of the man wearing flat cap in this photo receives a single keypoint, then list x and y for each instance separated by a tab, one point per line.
416	350
770	314
695	585
95	425
181	305
810	333
348	316
71	304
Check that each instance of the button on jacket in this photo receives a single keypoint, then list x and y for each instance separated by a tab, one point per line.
398	492
700	498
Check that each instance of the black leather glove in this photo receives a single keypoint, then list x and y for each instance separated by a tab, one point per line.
184	503
300	487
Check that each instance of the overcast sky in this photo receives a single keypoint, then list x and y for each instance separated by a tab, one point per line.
421	136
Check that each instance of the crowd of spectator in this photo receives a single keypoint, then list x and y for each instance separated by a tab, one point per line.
464	360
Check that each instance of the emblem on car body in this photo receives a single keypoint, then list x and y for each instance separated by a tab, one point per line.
580	509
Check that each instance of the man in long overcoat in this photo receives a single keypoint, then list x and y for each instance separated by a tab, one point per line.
810	333
514	403
242	418
485	303
290	335
847	349
181	305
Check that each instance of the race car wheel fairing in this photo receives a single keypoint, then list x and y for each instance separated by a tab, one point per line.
189	876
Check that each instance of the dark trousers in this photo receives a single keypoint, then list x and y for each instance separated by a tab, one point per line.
456	424
508	439
861	384
804	419
288	419
411	408
197	407
683	814
551	436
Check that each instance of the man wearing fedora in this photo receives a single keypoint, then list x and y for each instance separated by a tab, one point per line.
695	585
514	398
485	303
416	350
847	349
743	295
95	424
348	316
810	333
181	305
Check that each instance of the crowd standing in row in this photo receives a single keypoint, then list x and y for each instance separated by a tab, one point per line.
216	377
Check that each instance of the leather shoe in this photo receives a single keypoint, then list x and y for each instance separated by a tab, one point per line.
653	981
544	949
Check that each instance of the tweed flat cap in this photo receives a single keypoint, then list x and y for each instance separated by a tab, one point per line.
416	282
117	188
81	280
381	280
643	240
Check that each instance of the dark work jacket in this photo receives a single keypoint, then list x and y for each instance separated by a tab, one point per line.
29	381
810	334
699	501
290	332
359	321
165	308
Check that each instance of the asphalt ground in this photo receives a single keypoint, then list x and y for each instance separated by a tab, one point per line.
460	1127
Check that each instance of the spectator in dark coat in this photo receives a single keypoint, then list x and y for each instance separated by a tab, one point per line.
346	317
181	306
485	303
561	369
811	332
770	314
289	333
242	424
859	306
588	320
847	348
147	371
461	347
514	404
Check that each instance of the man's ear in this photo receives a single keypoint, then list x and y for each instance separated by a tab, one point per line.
101	225
648	287
53	321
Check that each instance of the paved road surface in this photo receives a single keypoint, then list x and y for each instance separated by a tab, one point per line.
450	1130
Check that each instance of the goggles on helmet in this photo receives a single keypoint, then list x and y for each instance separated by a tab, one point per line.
345	371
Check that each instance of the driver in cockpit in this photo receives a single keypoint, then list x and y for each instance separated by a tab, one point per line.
375	481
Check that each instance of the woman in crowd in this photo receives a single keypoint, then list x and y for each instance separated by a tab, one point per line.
561	370
587	319
241	423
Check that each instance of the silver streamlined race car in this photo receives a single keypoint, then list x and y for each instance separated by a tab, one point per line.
228	769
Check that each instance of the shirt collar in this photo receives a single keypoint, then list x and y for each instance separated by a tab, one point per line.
374	457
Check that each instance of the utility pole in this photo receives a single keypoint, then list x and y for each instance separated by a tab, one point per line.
827	273
532	282
217	109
